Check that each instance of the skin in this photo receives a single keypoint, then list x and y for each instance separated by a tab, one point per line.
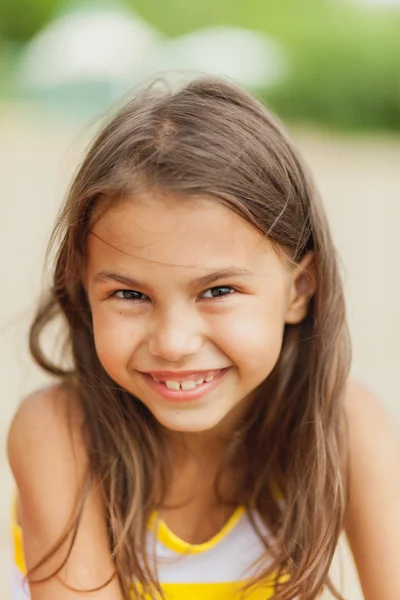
175	324
166	244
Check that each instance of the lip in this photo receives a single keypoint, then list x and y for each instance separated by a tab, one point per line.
183	395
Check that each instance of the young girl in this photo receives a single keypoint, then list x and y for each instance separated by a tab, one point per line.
203	440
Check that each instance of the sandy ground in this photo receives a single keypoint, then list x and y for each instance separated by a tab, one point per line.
360	182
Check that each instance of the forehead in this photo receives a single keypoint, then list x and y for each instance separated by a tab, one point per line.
195	232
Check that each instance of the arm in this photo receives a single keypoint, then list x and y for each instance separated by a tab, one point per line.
49	463
373	518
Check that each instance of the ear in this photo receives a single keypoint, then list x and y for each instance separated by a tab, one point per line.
302	287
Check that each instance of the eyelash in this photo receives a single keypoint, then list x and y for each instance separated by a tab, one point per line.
219	287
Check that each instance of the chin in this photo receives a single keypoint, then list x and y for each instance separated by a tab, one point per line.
187	423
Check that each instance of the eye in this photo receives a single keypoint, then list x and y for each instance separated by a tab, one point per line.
130	295
218	292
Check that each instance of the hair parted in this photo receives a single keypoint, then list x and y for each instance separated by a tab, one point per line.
210	137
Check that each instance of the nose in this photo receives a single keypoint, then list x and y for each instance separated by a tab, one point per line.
176	334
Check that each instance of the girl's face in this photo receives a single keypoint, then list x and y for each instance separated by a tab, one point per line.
189	304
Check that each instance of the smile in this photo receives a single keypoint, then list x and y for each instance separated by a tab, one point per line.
184	385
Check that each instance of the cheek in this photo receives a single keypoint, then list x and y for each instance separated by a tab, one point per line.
253	338
115	339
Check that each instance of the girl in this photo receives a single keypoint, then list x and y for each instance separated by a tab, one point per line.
203	440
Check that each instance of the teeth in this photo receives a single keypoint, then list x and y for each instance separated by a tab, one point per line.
172	385
184	385
188	385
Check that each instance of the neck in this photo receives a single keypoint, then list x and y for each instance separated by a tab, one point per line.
212	442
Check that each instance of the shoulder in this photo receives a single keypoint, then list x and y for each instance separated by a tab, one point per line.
49	405
60	506
373	519
360	402
371	436
47	456
46	427
370	431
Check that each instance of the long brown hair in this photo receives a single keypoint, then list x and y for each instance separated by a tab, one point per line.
210	137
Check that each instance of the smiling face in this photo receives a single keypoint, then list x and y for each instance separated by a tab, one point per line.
189	303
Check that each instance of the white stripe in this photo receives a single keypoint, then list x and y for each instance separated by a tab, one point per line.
230	560
19	587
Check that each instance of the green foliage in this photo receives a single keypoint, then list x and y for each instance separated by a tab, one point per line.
344	61
348	78
175	17
21	19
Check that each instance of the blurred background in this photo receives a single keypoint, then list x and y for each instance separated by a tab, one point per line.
329	68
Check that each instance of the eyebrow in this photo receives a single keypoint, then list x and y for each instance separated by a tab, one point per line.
105	276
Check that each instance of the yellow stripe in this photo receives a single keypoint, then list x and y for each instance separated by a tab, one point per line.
178	591
16	533
164	535
175	543
18	548
215	591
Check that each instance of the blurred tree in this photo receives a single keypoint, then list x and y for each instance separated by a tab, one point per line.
175	17
21	19
346	75
344	58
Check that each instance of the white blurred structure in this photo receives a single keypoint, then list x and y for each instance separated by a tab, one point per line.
99	45
91	55
250	57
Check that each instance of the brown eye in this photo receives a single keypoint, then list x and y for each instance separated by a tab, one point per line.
130	295
217	292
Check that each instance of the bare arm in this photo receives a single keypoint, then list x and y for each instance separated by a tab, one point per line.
49	463
373	519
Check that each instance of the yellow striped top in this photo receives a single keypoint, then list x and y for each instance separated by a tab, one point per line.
215	570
